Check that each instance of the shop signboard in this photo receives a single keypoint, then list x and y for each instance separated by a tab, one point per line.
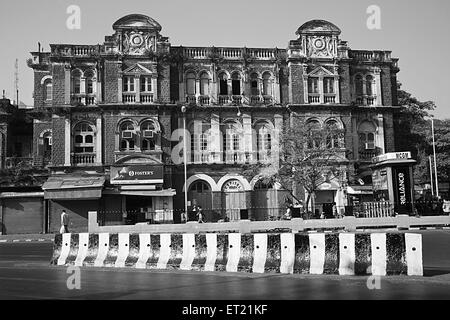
137	174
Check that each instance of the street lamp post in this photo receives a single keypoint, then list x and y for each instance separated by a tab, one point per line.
183	110
435	163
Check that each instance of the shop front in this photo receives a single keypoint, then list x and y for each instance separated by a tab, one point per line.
140	188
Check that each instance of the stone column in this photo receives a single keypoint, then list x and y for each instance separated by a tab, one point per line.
83	90
377	89
248	134
98	144
67	84
216	143
119	87
380	133
305	83
137	88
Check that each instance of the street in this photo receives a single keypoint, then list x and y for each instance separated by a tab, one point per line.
25	273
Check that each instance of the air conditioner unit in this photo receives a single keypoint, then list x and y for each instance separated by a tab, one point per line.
370	145
148	133
127	134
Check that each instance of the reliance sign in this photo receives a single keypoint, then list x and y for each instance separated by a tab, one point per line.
392	156
137	174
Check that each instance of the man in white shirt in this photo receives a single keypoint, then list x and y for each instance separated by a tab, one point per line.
65	220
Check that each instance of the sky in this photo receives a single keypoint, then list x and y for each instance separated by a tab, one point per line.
415	31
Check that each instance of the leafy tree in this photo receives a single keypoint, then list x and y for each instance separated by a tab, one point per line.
309	156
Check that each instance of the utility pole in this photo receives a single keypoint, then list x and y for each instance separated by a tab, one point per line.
16	81
435	163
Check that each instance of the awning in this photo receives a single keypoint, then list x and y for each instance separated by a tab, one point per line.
73	188
360	190
144	193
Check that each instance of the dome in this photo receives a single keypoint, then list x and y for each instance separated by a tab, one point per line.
137	21
318	26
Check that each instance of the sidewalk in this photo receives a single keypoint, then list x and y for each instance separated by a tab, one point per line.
27	238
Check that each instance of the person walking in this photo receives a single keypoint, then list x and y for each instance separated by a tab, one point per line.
200	214
65	221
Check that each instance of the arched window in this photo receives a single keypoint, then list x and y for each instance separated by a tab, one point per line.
223	84
204	84
148	132
261	185
267	84
48	90
190	83
199	187
263	141
127	136
369	83
254	84
236	84
359	85
314	139
84	138
76	81
231	141
366	134
333	135
89	75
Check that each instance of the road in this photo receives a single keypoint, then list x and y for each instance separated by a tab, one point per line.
25	273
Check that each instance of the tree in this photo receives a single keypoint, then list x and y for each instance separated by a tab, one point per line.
309	156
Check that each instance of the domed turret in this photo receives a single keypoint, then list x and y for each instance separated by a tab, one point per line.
318	27
137	21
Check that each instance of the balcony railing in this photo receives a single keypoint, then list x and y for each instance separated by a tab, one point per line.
367	155
204	100
237	99
12	162
366	100
146	97
234	157
191	99
384	56
129	98
83	99
83	158
224	99
313	98
329	98
74	50
229	53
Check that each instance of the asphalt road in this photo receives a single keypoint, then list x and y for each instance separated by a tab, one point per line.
25	273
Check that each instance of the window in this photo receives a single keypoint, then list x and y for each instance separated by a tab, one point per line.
84	138
148	132
76	81
366	134
146	84
314	139
313	85
127	136
89	75
254	84
203	142
359	85
199	187
267	84
223	84
190	84
263	141
328	85
128	84
48	90
204	84
236	84
369	82
231	141
333	135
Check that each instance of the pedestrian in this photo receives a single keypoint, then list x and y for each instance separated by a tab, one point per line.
288	214
446	207
200	214
335	211
65	221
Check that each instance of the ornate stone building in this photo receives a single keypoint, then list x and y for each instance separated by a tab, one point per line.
109	113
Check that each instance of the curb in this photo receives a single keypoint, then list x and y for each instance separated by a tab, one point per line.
311	253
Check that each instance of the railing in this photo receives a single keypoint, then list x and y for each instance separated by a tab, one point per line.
75	50
191	99
380	209
83	99
12	162
129	98
196	53
201	157
234	157
262	54
83	158
366	100
146	97
76	99
313	98
237	99
367	155
371	55
330	98
256	100
268	99
229	53
224	99
204	100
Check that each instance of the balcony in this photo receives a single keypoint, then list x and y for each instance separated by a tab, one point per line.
83	159
83	99
231	157
75	50
191	99
13	162
237	99
366	100
224	99
146	97
329	98
367	155
129	98
204	100
314	98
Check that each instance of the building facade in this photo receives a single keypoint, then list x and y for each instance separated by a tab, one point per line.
107	120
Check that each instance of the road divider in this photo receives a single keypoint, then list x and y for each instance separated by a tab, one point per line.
307	253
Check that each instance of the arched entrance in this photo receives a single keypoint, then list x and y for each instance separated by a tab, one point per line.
200	194
264	201
233	199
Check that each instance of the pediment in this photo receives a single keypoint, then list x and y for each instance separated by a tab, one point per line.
137	68
320	71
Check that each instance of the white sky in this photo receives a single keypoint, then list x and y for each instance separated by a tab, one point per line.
416	31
